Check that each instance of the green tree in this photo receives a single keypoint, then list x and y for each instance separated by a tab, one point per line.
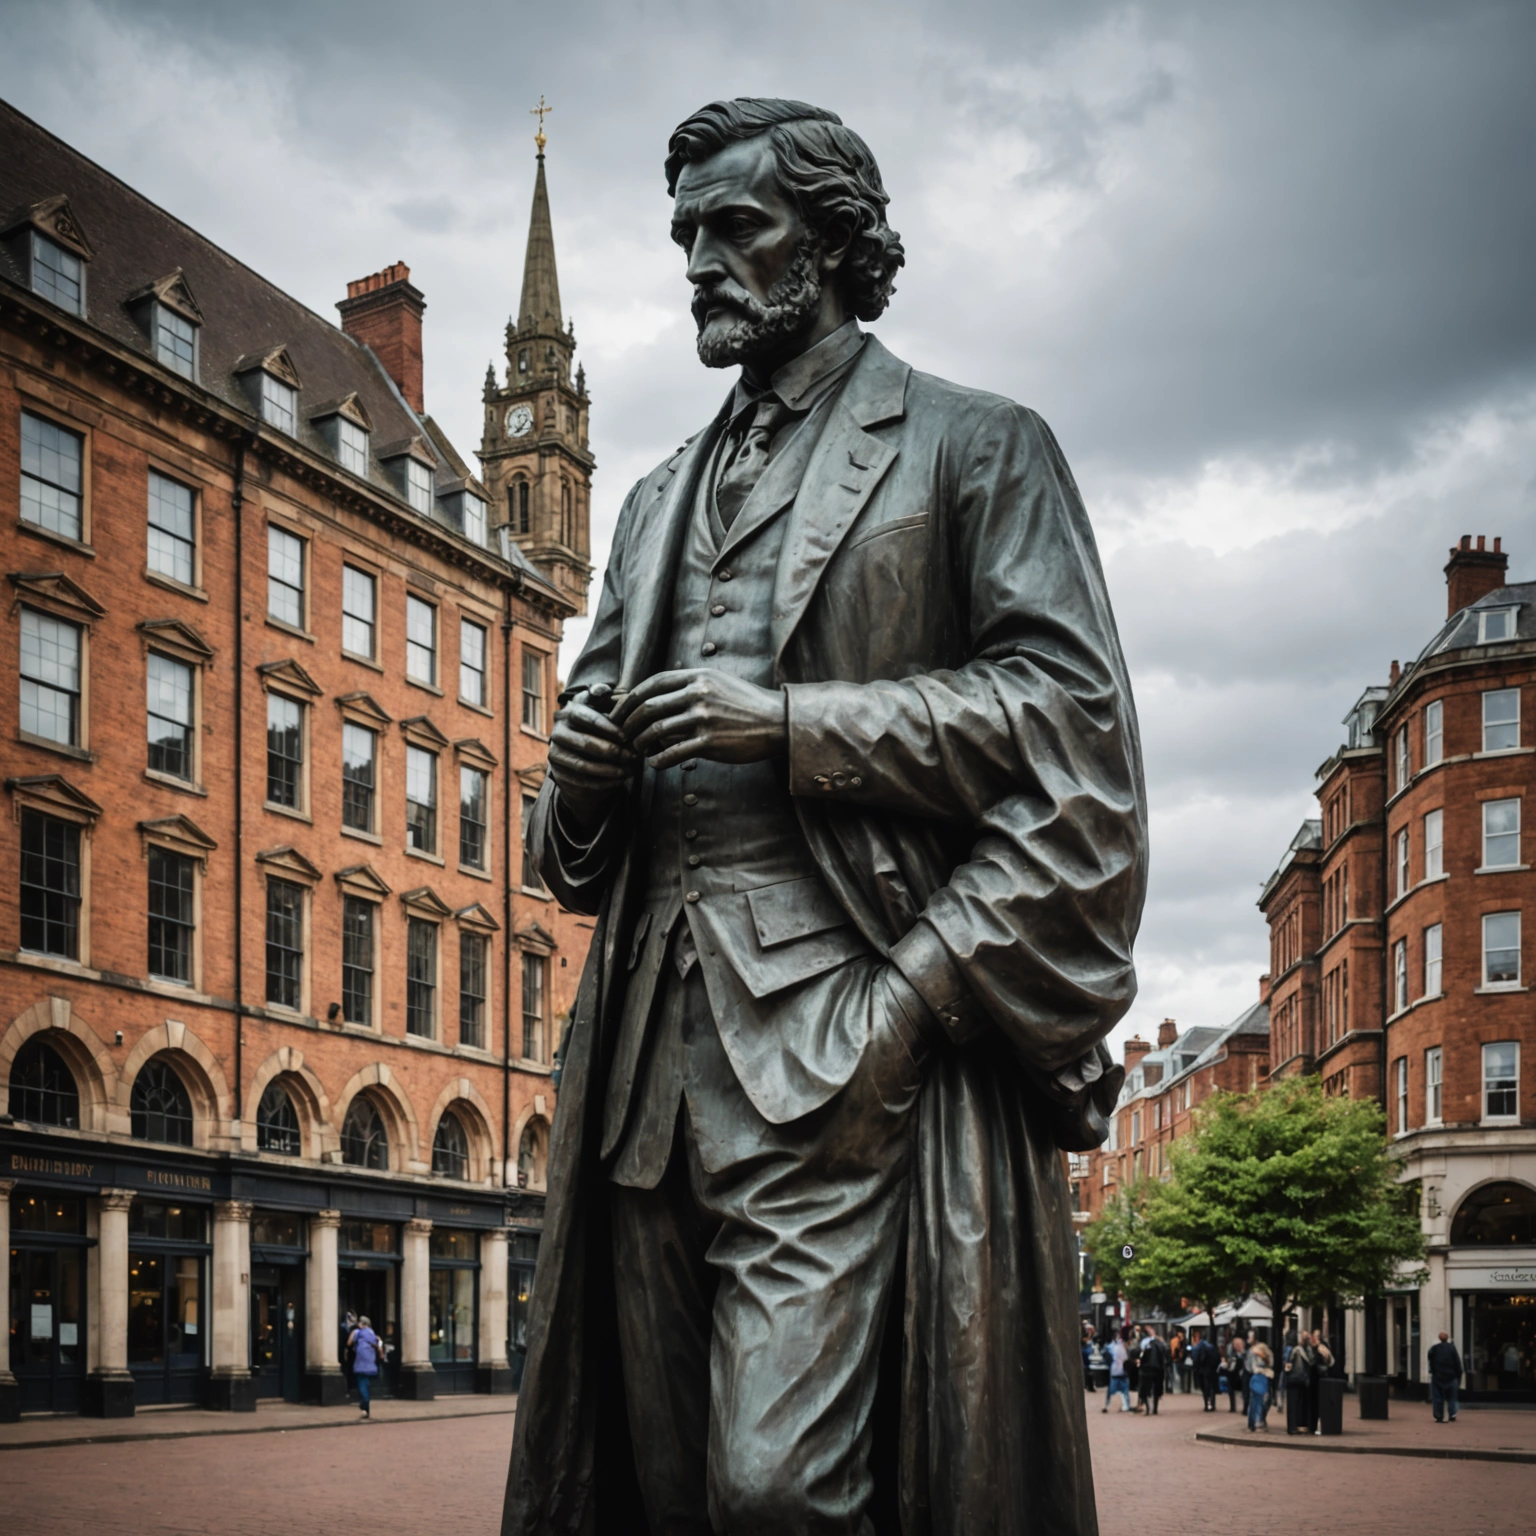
1284	1192
1124	1225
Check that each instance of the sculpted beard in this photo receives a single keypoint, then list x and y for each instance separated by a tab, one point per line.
761	327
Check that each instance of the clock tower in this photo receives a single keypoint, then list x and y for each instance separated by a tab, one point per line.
534	456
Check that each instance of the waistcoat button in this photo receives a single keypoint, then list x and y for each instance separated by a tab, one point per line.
691	896
709	647
717	609
690	834
839	779
693	861
724	575
690	799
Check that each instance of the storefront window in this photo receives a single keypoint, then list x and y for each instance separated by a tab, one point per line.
453	1316
46	1213
370	1237
273	1229
448	1243
1501	1342
1497	1215
173	1223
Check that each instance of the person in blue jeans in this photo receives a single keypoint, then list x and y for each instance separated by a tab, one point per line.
1444	1378
1262	1366
364	1343
1118	1380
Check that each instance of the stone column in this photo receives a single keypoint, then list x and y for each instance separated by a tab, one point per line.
233	1386
324	1380
416	1312
10	1389
492	1372
109	1388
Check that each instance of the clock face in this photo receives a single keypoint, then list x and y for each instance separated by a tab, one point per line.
519	421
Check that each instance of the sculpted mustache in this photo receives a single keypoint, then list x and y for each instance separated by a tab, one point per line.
732	298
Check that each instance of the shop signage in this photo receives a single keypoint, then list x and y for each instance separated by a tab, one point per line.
51	1167
1495	1277
161	1179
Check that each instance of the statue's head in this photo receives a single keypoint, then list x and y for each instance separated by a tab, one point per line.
782	213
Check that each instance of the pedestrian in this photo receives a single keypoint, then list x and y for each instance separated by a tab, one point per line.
1261	1373
1207	1367
365	1349
1118	1381
1232	1369
1155	1358
1088	1358
1298	1373
1322	1360
1444	1378
1178	1370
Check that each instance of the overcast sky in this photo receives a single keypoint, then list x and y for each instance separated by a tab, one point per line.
1266	269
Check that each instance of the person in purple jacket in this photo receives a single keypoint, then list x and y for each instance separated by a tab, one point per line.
364	1343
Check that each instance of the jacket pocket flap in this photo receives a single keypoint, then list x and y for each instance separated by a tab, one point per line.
794	909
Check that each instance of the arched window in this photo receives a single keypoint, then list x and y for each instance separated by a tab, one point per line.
565	512
533	1155
450	1148
1496	1216
364	1141
160	1106
277	1123
517	508
43	1088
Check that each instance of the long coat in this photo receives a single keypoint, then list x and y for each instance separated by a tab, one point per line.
965	765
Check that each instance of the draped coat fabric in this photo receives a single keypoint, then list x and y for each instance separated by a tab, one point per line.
964	758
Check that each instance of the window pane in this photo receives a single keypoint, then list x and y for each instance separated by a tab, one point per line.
279	404
170	916
357	961
1434	839
160	1110
285	576
533	690
421	799
277	1130
533	1007
1501	833
57	275
50	886
358	751
420	640
175	341
472	948
472	829
365	1144
1501	947
1501	1084
285	943
472	662
420	975
170	716
418	486
285	750
474	519
1432	1070
1498	625
51	476
357	611
1434	733
171	529
352	446
43	1091
50	678
1432	941
1501	719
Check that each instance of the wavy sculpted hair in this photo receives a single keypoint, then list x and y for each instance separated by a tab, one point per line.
826	169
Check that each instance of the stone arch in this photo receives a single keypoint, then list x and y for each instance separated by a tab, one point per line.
531	1126
308	1094
1468	1206
83	1050
194	1063
392	1101
476	1117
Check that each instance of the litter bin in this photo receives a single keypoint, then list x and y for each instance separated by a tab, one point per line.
1330	1405
1373	1392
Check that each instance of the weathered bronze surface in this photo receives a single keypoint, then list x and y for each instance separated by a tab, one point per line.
848	773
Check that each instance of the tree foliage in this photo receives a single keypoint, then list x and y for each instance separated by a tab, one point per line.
1284	1192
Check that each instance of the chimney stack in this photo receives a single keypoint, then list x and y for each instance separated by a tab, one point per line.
1473	573
1167	1033
1264	987
383	312
1135	1049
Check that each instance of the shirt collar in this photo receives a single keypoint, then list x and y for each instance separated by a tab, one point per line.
802	381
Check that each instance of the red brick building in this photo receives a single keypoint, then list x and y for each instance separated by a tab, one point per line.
279	998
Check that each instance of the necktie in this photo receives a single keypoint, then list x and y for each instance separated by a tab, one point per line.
745	466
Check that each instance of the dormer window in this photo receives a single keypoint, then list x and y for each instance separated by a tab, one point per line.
176	341
418	486
347	428
50	247
279	404
1495	624
466	510
168	315
272	383
412	467
58	275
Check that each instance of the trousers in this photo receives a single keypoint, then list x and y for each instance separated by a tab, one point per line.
1443	1398
752	1297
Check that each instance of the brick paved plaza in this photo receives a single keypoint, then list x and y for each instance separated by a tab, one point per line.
445	1476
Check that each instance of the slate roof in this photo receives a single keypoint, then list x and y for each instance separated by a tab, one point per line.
136	244
1461	629
1197	1047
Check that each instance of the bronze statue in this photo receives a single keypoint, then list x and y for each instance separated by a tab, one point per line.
848	772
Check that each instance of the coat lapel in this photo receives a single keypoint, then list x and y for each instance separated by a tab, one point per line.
773	492
654	547
847	464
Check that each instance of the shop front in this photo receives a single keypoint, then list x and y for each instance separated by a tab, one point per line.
167	1300
368	1263
522	1258
48	1255
1490	1272
278	1253
453	1308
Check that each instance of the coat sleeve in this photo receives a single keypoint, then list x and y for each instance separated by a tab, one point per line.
576	869
1030	744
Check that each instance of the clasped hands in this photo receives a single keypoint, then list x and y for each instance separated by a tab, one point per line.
669	718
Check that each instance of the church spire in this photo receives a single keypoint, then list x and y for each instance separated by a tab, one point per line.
540	308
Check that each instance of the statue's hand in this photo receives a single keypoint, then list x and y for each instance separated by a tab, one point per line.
589	758
677	715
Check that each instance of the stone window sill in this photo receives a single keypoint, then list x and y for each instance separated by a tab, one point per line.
429	858
289	629
160	579
1498	989
288	811
63	540
1501	869
362	661
63	748
170	781
416	682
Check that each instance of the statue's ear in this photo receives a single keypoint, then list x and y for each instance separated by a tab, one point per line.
837	239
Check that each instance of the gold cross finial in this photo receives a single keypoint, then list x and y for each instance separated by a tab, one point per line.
539	112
